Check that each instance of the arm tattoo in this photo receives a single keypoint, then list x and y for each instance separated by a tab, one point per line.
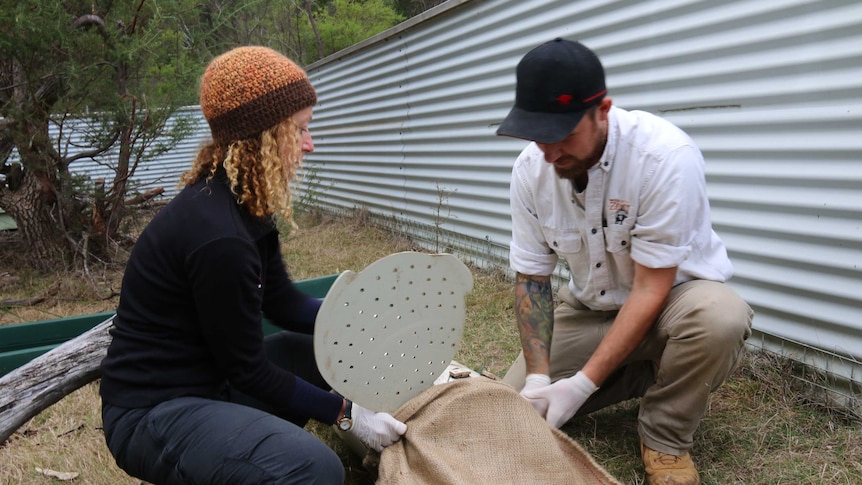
534	310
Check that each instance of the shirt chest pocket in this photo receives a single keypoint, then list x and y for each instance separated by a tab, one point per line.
618	239
563	241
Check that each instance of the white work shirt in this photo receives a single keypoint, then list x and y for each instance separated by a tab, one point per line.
645	201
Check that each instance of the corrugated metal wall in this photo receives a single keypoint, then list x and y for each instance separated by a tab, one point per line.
166	170
162	172
771	91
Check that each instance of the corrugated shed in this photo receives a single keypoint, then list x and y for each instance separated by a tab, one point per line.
162	171
770	91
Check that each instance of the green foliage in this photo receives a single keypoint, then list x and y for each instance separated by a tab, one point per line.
104	53
113	73
343	23
411	8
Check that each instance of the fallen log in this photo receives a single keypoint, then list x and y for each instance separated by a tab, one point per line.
30	301
141	198
30	389
33	387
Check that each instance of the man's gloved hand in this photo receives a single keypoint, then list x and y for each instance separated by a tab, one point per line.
537	381
563	398
377	430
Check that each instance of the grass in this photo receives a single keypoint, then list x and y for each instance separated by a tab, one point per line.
760	427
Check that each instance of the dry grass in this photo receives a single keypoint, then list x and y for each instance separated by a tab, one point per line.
66	437
760	429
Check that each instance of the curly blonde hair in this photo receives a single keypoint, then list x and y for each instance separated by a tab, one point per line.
259	169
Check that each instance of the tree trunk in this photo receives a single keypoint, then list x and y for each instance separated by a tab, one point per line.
124	171
34	210
45	380
309	11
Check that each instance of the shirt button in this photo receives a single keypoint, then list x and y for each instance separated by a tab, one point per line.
623	243
602	293
598	265
555	244
594	230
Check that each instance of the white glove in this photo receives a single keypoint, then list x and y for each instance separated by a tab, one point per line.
537	381
563	397
377	430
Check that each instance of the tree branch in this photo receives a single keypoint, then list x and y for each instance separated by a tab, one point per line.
93	21
94	152
141	198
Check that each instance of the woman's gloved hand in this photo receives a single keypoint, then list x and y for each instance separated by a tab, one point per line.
377	430
563	398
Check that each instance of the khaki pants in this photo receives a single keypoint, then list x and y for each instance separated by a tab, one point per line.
692	349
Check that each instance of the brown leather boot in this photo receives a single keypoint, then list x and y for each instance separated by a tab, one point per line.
664	469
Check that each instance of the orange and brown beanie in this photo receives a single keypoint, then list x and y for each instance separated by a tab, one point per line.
249	89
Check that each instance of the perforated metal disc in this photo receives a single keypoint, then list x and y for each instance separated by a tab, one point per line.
383	335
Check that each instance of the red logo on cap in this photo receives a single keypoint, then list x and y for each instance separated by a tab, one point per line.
564	98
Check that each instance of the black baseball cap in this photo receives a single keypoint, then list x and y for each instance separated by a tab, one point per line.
556	83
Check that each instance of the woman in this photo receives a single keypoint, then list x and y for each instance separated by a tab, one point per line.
191	391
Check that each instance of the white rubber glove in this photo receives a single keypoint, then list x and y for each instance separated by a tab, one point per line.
563	397
537	381
377	430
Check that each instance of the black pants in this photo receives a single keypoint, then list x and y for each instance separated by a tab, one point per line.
193	440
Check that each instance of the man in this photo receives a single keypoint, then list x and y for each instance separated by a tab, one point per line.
621	197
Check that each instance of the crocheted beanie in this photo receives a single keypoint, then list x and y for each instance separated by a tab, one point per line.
249	89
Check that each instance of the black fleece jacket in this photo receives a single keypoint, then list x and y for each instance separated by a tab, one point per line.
196	286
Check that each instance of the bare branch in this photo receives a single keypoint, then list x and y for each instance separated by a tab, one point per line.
141	198
92	21
131	29
94	152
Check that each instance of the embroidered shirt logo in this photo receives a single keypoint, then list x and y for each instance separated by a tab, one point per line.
620	209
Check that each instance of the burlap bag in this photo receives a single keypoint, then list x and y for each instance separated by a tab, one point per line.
481	431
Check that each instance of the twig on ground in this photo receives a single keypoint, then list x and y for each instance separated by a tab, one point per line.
30	301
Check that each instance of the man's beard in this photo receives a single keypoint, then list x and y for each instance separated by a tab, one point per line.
580	166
